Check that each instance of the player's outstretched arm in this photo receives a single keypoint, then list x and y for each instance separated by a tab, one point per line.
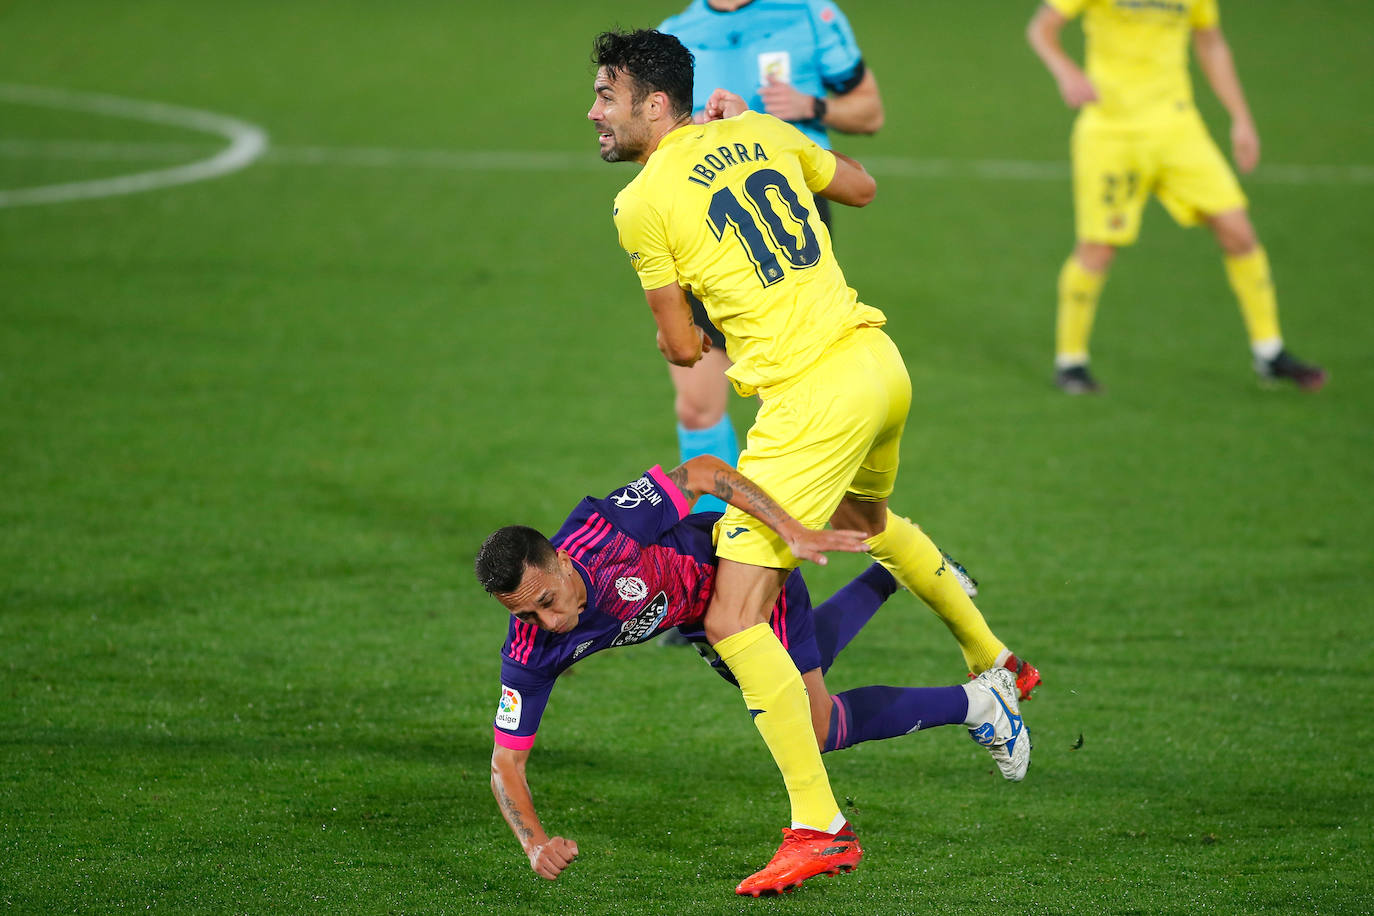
708	474
548	855
1214	57
851	185
1043	36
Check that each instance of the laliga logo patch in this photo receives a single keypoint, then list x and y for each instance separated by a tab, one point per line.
630	588
508	710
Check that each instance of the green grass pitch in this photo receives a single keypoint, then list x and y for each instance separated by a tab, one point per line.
252	430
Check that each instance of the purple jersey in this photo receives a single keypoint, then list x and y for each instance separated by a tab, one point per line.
648	567
643	576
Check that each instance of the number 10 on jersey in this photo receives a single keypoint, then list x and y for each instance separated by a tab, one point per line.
762	189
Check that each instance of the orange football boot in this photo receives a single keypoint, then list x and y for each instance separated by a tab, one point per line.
804	854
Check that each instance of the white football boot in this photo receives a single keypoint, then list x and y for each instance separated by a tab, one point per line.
966	582
1002	733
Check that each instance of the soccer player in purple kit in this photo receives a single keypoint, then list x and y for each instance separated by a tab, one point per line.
626	568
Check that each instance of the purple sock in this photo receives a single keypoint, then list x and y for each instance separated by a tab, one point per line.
840	619
871	713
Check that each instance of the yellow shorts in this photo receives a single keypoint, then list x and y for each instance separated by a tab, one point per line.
1116	168
833	430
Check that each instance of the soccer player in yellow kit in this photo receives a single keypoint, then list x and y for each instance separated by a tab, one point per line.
1139	133
726	211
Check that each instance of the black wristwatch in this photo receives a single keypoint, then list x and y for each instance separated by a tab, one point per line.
821	108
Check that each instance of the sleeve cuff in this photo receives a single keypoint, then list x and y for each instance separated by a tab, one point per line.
667	486
513	742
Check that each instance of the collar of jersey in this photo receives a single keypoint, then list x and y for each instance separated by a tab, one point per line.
676	135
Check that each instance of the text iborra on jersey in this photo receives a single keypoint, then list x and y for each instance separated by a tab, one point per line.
705	171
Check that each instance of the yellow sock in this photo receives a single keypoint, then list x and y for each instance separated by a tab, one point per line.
915	561
1079	290
776	697
1249	276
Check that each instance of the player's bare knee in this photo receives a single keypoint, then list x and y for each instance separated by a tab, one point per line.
855	514
724	620
1096	257
702	398
1234	233
721	627
693	414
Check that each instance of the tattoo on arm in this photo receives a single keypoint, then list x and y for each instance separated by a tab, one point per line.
760	504
678	476
721	487
729	484
517	823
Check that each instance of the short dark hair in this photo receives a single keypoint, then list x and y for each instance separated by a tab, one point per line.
501	561
654	61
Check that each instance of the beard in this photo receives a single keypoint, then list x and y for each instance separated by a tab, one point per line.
627	144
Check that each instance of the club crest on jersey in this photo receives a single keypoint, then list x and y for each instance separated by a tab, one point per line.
641	491
508	710
642	625
631	588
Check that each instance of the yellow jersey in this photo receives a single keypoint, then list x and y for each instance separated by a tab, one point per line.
725	210
1137	54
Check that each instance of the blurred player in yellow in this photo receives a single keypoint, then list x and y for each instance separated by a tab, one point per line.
1139	133
725	210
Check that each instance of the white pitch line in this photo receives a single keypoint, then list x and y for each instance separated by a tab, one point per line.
247	142
894	166
533	161
102	150
453	160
